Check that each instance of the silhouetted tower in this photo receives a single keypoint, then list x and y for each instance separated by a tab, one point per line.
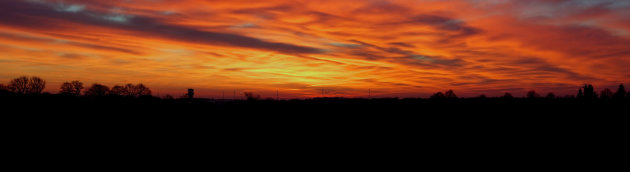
191	93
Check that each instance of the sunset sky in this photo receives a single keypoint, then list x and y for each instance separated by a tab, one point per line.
395	48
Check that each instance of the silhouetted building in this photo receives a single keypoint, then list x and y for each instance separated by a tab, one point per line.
191	93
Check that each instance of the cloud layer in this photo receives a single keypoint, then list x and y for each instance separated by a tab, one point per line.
404	48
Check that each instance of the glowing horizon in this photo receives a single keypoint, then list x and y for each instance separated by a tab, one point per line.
395	48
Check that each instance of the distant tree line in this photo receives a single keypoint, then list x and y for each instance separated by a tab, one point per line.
35	85
586	93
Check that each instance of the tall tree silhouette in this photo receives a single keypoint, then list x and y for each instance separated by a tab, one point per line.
97	90
606	94
25	85
589	92
621	92
580	94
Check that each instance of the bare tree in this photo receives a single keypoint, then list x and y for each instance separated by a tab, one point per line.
71	88
67	89
97	90
142	90
131	90
19	85
119	91
78	86
36	85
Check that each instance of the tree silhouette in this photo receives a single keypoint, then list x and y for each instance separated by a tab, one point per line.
130	90
580	94
36	85
532	94
621	92
508	96
551	96
71	88
438	95
19	85
97	90
482	96
3	87
141	90
119	91
450	94
67	89
606	94
24	85
589	92
168	97
251	97
78	86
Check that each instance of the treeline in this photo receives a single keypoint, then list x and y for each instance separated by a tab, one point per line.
34	86
587	92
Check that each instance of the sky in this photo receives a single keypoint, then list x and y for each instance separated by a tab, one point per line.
311	48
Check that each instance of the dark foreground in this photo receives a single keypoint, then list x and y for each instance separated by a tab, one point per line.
490	133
